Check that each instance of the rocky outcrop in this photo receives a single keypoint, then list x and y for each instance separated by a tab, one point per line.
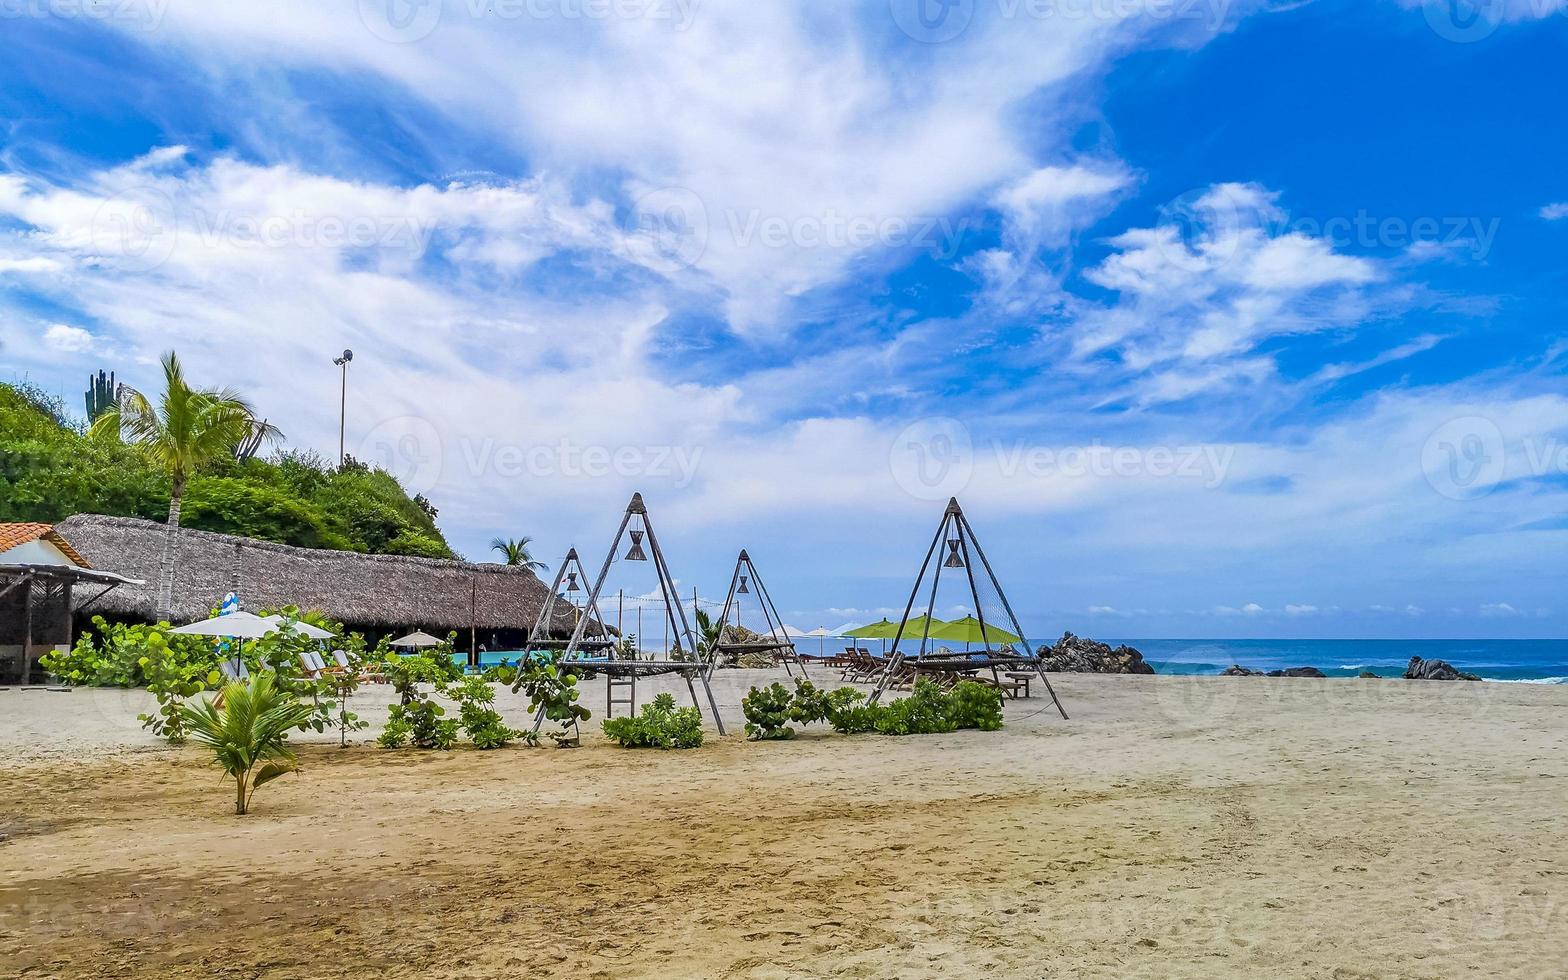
1239	671
1074	655
1435	670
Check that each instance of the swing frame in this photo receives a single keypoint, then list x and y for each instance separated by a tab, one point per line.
965	545
614	667
781	645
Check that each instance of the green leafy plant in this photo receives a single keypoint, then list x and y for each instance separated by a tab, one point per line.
485	728
171	682
504	672
926	711
977	706
420	722
111	655
417	718
768	711
661	725
555	691
929	710
249	734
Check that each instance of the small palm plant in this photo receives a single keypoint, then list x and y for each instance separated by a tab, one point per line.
249	734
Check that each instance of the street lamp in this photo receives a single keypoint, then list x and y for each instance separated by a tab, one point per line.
342	362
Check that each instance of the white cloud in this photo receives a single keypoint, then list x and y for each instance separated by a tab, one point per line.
1301	610
1555	212
1201	290
68	339
40	265
1499	610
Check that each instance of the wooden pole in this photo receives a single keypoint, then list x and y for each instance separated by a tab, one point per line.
473	621
27	630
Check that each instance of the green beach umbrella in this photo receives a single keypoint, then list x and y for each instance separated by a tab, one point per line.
967	630
884	630
922	626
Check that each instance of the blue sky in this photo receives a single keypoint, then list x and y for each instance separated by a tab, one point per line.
1223	319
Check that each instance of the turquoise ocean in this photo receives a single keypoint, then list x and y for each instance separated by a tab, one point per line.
1524	661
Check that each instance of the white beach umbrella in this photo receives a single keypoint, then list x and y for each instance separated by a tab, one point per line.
417	640
236	625
301	627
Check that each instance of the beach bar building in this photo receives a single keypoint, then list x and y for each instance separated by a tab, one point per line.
42	581
373	594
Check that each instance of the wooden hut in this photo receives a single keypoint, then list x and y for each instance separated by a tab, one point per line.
373	594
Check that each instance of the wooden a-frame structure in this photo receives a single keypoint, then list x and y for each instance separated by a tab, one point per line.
961	552
571	573
777	640
603	657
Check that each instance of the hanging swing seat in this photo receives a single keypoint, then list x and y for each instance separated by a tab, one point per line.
630	668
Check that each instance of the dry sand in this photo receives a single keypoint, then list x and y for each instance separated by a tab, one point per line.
1175	827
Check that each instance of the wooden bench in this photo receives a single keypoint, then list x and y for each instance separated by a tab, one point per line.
1016	682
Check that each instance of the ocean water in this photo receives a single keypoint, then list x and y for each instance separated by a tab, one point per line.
1522	661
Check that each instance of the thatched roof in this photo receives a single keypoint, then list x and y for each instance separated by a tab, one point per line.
372	591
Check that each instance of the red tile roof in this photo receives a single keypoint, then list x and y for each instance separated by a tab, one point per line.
13	535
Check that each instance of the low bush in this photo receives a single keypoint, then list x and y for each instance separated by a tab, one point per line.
660	726
768	711
928	710
482	723
555	692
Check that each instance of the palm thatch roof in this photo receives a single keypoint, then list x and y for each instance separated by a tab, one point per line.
368	591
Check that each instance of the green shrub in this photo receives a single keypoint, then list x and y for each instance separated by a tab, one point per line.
49	470
926	711
111	654
977	706
929	710
555	692
483	723
660	726
230	505
767	710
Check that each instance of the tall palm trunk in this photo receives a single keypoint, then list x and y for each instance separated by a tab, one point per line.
171	546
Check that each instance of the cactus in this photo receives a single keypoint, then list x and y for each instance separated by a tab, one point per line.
101	393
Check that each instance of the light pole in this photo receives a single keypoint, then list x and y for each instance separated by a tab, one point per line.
342	362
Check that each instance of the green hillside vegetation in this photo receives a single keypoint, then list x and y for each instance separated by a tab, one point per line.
50	470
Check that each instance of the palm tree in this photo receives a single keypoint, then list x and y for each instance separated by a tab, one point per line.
187	429
516	552
249	734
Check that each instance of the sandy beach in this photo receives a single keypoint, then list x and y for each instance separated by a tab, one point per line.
1174	827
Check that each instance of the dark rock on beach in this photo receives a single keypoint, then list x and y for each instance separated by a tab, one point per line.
1074	655
1239	671
1435	670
